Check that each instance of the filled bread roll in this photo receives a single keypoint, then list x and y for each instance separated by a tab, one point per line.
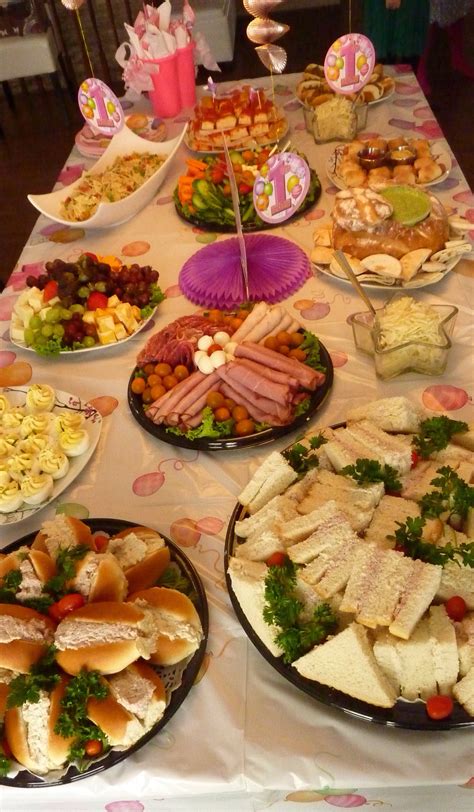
35	566
178	630
99	577
142	554
24	637
62	532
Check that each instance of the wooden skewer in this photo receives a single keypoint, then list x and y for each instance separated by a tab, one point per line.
339	255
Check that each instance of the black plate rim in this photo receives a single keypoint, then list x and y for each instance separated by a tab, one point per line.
218	228
31	781
403	716
231	443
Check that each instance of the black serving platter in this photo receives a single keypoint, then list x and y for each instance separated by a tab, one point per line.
26	779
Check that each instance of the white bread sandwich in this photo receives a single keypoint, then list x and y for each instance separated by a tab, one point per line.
463	691
24	637
142	554
271	478
465	643
35	566
299	528
346	662
99	577
364	440
397	414
466	439
261	545
457	579
62	532
384	523
177	630
329	573
136	701
105	637
356	501
248	583
29	731
444	649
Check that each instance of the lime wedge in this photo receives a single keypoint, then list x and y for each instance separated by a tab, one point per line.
410	205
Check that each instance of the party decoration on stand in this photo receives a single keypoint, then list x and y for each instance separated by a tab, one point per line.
281	187
238	222
263	31
349	63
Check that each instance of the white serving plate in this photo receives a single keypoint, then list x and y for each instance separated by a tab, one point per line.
112	214
440	155
93	424
424	280
96	347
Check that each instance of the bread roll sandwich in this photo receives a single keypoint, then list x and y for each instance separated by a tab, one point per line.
104	637
142	555
36	568
29	731
178	630
136	702
24	637
62	532
99	577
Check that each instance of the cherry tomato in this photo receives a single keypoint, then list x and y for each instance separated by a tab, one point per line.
181	372
456	607
239	413
100	543
283	338
69	603
146	396
296	339
217	174
222	414
229	403
162	370
152	380
90	254
138	386
214	400
242	314
235	323
270	343
170	381
213	348
93	747
215	316
276	560
415	459
439	706
244	188
149	369
283	349
50	290
157	391
300	355
244	427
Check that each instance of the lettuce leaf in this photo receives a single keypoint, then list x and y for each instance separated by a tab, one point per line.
207	428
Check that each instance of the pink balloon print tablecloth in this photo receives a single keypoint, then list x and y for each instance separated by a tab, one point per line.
245	739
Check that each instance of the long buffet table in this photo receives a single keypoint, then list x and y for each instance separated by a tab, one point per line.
244	737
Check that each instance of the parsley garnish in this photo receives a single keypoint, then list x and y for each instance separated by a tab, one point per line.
173	578
9	586
366	471
312	349
300	457
73	720
435	434
42	676
209	427
454	496
409	539
302	407
65	569
5	765
282	608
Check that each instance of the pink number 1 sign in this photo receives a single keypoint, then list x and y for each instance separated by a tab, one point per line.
100	107
349	63
281	187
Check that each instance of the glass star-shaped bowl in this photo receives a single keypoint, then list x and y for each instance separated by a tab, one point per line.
423	357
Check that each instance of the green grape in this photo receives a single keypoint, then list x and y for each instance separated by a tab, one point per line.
47	330
83	292
65	314
29	336
35	323
77	308
88	341
40	340
100	286
58	330
54	315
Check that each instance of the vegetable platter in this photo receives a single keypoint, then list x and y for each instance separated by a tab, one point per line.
90	750
220	380
203	195
321	556
83	306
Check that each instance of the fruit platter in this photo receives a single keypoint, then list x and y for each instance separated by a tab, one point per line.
220	380
245	117
86	305
203	194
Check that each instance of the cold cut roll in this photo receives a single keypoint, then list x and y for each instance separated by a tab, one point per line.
24	637
142	555
178	630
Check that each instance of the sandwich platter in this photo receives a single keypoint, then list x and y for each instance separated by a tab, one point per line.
246	575
376	281
92	424
178	679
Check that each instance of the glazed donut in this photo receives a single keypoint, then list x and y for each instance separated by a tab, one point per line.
362	225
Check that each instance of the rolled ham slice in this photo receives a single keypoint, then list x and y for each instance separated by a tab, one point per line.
277	413
258	384
307	378
283	324
257	413
183	406
269	323
270	374
166	403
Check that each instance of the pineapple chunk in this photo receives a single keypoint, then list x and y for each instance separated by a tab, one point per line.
113	301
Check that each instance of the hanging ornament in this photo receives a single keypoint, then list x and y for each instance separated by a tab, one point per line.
273	57
261	8
262	30
72	5
349	63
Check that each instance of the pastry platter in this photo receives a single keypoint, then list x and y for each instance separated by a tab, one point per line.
92	423
403	713
376	282
280	128
178	679
439	153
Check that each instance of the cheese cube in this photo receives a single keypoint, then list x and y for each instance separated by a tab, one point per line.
89	317
17	333
113	301
106	336
120	332
105	323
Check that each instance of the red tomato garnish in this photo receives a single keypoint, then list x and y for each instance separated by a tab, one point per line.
439	706
50	290
6	748
415	459
217	174
68	603
276	560
93	747
101	542
244	188
96	299
213	348
456	607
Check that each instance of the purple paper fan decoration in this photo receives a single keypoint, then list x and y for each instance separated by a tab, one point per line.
213	276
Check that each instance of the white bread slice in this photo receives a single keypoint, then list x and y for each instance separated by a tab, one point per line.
346	662
330	533
418	678
456	580
261	546
419	591
465	470
392	509
452	455
418	481
396	414
387	655
301	527
463	691
265	518
356	501
272	477
394	451
443	648
466	439
465	643
378	603
248	583
366	562
338	570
